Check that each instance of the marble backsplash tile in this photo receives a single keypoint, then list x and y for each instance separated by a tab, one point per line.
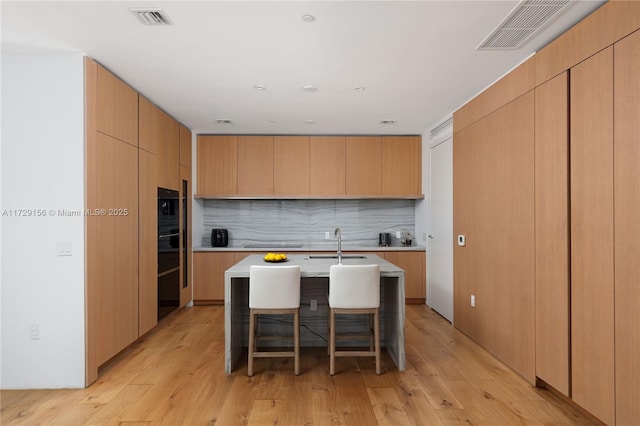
306	221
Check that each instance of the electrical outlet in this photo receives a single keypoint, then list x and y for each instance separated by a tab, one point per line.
313	305
398	234
327	235
34	331
473	300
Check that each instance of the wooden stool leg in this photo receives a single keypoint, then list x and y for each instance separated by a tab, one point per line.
251	343
296	341
332	342
376	332
371	332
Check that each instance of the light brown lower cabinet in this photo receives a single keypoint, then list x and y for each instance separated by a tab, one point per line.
209	267
413	263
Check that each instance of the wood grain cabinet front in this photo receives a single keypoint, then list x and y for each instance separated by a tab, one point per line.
217	159
255	165
208	276
364	165
401	165
291	165
413	263
160	134
117	108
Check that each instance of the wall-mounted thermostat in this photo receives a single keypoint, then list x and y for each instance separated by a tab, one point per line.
462	241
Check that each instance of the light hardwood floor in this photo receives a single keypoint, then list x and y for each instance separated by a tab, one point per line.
175	376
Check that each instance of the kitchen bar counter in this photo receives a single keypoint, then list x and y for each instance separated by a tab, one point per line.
314	272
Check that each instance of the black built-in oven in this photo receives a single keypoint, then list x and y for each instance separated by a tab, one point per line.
168	251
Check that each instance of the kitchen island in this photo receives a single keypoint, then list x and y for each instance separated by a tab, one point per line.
314	273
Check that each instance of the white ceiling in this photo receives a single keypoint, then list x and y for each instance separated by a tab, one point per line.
417	59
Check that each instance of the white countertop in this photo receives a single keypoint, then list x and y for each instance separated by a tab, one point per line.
312	247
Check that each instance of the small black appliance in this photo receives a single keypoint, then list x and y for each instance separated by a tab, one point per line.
384	239
219	237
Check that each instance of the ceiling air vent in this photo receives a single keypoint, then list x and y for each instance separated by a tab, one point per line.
223	121
388	122
522	23
152	16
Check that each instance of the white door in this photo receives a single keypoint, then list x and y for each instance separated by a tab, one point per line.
440	269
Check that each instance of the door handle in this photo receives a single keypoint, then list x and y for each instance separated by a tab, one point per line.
430	237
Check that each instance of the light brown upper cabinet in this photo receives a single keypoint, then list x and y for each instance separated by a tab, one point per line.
117	108
185	146
363	165
401	165
217	158
255	165
291	165
327	165
159	134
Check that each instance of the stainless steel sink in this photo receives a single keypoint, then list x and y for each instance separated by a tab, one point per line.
333	256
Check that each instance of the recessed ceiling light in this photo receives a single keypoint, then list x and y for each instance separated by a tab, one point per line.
309	121
309	88
223	121
308	18
388	122
259	87
359	88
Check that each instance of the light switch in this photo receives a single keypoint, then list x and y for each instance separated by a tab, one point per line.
462	241
64	248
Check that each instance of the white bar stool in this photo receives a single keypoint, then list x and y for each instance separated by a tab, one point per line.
354	290
274	290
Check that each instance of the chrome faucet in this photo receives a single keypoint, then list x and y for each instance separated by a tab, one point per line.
339	235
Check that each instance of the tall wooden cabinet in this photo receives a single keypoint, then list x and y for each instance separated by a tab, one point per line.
148	241
587	204
128	142
552	232
493	207
116	273
592	290
627	227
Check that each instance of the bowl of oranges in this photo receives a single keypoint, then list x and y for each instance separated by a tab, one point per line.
275	257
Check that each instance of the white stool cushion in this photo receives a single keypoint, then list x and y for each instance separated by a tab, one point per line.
354	286
274	287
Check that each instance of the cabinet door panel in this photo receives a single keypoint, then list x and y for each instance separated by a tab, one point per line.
185	146
363	165
291	165
116	272
327	165
208	275
552	232
255	165
627	228
592	315
150	131
117	114
413	263
148	231
401	165
217	165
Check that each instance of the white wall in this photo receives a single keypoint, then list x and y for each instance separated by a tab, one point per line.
42	155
